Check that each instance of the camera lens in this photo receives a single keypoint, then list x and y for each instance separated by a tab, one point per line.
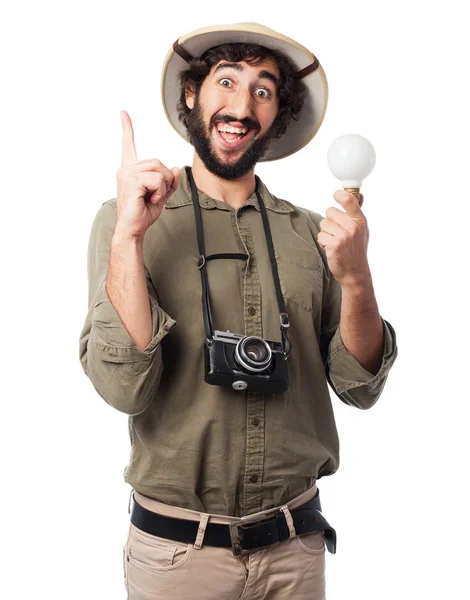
253	354
255	351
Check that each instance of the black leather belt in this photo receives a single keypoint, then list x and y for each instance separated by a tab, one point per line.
243	536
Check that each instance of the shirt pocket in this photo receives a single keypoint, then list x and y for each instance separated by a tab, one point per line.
300	276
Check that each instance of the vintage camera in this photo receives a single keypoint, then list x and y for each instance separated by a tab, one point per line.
242	362
245	363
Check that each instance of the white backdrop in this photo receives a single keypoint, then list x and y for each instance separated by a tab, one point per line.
398	75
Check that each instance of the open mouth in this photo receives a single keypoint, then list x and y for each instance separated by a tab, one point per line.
233	137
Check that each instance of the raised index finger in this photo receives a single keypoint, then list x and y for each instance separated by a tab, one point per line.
129	155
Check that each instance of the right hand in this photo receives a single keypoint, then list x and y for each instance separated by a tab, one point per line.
143	187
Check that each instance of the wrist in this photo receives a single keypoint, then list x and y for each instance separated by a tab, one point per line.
124	238
359	283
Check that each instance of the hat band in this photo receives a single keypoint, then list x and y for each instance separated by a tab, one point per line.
309	69
180	51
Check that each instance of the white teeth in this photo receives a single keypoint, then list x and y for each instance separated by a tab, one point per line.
229	129
234	140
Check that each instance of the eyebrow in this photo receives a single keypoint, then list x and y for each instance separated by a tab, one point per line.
238	67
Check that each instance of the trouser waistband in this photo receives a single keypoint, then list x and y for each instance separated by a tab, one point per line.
184	513
244	534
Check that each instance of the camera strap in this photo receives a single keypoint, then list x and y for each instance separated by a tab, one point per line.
208	323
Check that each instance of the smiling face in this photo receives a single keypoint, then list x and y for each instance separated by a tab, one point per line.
231	117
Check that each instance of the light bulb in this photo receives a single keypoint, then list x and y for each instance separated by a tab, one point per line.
351	158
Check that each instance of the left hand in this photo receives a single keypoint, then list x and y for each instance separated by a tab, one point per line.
344	236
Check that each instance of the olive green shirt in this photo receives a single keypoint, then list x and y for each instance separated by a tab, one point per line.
205	447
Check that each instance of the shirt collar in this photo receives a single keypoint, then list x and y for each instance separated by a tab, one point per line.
182	197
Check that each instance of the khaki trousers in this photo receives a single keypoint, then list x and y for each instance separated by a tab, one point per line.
159	568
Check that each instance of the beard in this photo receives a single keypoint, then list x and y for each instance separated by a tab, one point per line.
200	138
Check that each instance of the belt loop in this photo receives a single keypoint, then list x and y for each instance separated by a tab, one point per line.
290	522
201	530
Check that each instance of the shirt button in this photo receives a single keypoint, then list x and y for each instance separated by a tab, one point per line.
253	478
252	310
256	422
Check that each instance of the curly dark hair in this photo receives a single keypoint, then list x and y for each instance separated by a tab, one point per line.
291	89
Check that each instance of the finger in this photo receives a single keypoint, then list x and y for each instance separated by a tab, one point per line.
324	239
342	219
361	200
129	154
149	164
167	175
176	177
349	202
331	227
153	165
152	184
160	194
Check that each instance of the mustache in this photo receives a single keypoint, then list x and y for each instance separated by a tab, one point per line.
228	119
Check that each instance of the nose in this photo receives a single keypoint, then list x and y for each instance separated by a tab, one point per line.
241	104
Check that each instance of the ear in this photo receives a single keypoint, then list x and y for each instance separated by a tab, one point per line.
190	94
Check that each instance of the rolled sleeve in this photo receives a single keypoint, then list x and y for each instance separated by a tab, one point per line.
348	378
126	376
353	384
111	339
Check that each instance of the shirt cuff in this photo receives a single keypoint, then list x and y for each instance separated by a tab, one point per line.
347	373
112	340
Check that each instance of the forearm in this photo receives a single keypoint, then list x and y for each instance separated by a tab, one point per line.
127	288
361	325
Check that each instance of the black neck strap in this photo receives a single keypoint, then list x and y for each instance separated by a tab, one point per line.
208	324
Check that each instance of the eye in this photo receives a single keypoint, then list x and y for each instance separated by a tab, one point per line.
262	93
227	80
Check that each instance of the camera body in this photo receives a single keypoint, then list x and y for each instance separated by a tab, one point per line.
245	363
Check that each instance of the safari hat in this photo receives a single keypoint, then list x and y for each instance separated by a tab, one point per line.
194	44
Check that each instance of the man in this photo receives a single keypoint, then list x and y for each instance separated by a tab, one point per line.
223	467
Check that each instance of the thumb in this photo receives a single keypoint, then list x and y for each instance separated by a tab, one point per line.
176	175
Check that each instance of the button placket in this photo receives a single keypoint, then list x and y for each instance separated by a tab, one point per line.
252	284
255	442
254	464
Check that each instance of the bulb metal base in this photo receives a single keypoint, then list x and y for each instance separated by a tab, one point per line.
354	192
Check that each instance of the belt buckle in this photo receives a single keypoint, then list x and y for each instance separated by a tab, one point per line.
235	535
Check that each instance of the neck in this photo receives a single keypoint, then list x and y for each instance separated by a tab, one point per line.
234	192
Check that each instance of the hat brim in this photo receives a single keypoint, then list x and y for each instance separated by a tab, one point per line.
299	133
